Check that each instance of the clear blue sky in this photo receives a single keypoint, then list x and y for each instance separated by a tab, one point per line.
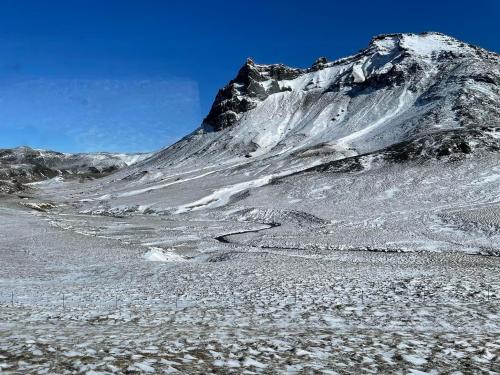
123	75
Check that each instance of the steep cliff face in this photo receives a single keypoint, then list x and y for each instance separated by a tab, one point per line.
253	84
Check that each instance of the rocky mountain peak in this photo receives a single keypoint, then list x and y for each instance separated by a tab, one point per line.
399	86
253	84
320	63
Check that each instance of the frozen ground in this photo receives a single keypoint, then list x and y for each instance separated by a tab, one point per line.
78	295
388	268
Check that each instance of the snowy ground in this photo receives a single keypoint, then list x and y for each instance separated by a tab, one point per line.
391	268
79	295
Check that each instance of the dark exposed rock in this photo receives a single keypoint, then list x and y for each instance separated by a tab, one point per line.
244	92
437	145
319	64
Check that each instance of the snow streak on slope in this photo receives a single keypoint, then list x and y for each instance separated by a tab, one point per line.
345	141
155	187
222	196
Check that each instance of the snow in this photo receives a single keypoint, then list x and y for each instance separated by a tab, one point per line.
130	159
391	193
249	362
414	360
386	44
431	43
50	181
145	367
495	134
159	255
222	196
358	74
154	187
402	102
487	179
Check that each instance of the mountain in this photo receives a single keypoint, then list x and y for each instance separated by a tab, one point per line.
400	87
23	165
402	132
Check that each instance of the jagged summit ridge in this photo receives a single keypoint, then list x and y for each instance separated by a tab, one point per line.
395	55
252	84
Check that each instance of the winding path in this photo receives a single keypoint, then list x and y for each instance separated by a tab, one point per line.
224	238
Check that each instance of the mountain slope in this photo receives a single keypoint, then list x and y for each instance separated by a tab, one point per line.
401	86
390	139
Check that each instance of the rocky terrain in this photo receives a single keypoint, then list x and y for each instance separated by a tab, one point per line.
23	165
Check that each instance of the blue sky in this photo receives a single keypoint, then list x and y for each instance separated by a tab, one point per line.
122	75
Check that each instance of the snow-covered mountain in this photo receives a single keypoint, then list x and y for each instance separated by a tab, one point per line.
424	94
400	87
25	165
410	123
279	221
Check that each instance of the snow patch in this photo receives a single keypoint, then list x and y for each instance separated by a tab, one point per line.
53	181
157	254
358	74
222	196
430	43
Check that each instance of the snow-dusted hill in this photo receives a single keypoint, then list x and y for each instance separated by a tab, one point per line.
24	165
